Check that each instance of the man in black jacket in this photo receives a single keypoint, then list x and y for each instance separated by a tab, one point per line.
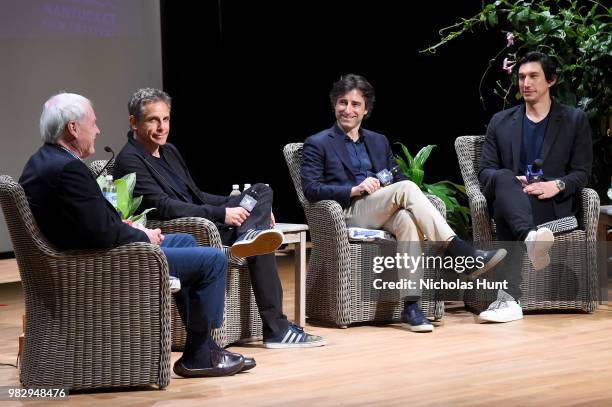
555	137
162	178
72	213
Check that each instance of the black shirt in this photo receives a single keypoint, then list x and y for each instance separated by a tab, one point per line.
177	182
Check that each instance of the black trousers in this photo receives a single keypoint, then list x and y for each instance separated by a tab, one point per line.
262	269
516	214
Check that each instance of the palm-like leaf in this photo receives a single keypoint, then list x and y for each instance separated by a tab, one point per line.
423	155
416	175
407	154
123	198
447	191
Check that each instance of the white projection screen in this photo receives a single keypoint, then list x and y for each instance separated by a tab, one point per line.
102	49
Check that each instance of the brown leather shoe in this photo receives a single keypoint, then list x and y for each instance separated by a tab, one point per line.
224	363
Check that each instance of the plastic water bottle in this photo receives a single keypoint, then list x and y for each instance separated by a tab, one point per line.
235	190
110	191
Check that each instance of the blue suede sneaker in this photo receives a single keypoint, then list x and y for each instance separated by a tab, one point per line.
413	318
294	337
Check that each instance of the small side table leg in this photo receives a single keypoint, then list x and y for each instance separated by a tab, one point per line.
602	263
300	280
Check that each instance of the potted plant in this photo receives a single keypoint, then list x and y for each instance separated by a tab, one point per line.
127	204
457	215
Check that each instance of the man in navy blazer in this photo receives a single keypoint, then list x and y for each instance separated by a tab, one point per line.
341	163
556	138
336	169
72	213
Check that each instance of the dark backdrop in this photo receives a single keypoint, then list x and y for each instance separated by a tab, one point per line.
246	78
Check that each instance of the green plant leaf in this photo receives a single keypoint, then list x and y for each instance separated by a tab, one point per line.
416	175
403	166
130	180
407	154
141	215
435	190
423	155
135	204
141	220
123	198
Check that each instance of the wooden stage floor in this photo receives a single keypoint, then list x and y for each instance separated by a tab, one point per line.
547	359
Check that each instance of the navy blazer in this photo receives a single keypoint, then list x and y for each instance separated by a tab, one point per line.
326	170
567	151
158	192
68	204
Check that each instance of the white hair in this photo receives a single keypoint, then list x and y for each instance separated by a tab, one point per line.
58	111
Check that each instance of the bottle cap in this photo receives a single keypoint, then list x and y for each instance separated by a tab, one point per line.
109	177
247	186
235	186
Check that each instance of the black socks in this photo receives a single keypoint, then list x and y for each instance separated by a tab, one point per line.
457	247
197	350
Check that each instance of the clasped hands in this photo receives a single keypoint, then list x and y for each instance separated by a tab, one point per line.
155	235
542	189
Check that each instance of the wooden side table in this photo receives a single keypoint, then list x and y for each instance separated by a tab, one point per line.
296	233
605	221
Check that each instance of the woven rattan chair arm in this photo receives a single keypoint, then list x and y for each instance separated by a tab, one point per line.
203	230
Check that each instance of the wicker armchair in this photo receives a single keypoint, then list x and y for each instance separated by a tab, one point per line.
334	283
241	319
94	319
557	286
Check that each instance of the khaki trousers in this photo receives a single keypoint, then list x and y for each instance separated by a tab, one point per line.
404	211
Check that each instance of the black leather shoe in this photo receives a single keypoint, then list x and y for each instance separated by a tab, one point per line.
490	259
249	363
224	363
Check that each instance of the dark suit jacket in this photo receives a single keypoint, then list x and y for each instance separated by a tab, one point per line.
68	204
326	166
157	192
567	151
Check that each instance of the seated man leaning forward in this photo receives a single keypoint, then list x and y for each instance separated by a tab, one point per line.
340	163
162	178
72	213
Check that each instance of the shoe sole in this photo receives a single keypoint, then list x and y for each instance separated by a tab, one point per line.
182	371
272	345
499	256
266	242
500	320
542	244
246	368
419	328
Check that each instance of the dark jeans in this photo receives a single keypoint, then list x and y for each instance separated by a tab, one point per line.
516	214
202	271
262	269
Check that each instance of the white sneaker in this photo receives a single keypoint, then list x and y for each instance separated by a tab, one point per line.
504	309
538	243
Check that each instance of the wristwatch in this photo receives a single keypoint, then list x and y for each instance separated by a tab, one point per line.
560	184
